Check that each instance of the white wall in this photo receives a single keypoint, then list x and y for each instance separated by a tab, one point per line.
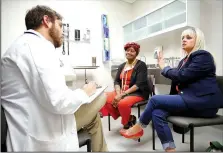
79	14
211	25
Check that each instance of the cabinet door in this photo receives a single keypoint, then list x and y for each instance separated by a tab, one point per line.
128	29
141	33
174	13
139	23
176	20
154	28
154	17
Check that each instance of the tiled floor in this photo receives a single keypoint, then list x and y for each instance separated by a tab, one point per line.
115	142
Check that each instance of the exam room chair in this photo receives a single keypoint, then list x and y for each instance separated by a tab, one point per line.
183	124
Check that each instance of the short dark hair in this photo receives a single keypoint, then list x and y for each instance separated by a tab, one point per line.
34	16
133	45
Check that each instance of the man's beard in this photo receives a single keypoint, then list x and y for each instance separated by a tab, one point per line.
57	42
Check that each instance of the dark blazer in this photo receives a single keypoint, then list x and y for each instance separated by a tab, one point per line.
196	80
138	78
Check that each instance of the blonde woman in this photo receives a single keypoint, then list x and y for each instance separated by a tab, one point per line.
194	91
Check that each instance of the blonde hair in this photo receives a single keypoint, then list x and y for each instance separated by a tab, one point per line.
200	41
199	38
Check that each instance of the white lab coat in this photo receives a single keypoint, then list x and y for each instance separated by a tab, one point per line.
39	106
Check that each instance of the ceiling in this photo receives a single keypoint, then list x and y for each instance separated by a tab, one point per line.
129	1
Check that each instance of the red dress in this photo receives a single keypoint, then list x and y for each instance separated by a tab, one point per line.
124	105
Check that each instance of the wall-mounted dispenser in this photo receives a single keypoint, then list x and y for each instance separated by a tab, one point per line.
77	35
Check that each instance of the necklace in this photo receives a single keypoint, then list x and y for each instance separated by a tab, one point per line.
125	73
131	65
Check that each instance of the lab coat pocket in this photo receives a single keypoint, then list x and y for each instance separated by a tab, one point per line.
34	144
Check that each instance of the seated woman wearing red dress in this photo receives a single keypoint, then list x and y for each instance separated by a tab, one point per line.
131	86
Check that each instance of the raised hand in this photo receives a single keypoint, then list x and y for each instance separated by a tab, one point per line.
160	59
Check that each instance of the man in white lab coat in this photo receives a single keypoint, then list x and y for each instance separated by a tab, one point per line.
38	105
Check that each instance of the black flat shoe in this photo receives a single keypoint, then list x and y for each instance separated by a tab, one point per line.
101	116
130	123
133	120
126	126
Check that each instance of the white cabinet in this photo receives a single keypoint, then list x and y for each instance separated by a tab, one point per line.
173	15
